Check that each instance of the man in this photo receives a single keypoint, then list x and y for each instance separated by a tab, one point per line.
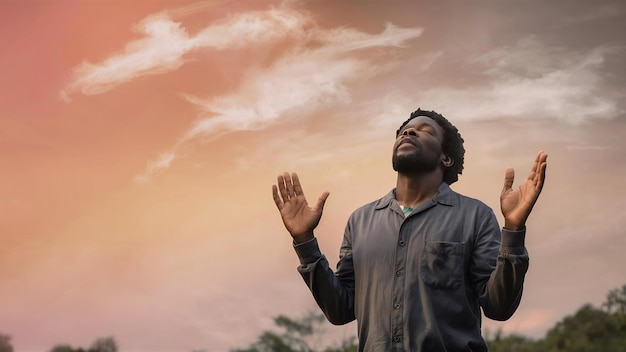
417	265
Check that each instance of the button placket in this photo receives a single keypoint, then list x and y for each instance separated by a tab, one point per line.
397	318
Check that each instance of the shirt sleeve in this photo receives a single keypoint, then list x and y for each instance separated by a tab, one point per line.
499	266
333	291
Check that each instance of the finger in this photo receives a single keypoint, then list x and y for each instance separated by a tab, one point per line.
289	185
297	187
541	174
321	201
542	160
279	203
282	188
509	177
534	170
537	172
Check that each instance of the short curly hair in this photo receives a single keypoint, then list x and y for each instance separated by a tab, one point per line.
452	144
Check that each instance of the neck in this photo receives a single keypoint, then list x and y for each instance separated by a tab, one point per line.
413	190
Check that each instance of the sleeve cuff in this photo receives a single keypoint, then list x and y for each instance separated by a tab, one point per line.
308	252
513	241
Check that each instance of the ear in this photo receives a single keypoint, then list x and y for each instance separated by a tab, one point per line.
447	161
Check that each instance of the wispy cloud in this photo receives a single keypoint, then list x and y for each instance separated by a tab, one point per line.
163	162
166	45
306	79
532	80
313	73
526	80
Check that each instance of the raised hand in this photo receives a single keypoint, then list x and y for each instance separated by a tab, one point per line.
299	218
516	205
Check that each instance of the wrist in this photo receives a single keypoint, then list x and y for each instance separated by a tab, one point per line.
301	238
511	226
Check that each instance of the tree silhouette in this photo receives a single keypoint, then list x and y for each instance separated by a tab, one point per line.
106	344
588	330
63	348
103	344
296	336
616	301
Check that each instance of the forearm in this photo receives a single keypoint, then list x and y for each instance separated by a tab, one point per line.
334	293
504	288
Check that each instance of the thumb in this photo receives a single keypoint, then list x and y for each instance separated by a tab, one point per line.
321	201
509	176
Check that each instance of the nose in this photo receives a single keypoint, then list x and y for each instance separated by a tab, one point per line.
409	132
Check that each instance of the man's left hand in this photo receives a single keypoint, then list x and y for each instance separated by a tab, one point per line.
517	204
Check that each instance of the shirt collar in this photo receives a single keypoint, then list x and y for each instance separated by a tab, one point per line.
444	196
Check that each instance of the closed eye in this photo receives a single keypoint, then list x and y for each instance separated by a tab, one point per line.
413	130
427	129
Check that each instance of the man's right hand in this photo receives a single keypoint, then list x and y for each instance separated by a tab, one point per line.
299	218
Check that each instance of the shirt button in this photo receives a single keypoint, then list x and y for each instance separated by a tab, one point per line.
401	243
397	339
397	306
399	273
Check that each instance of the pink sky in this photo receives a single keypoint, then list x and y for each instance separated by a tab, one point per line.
139	141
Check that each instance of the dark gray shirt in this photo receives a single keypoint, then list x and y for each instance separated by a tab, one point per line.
417	283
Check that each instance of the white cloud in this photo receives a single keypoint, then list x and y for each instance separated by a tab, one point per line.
303	81
162	50
163	162
314	74
530	80
252	28
527	80
431	59
166	44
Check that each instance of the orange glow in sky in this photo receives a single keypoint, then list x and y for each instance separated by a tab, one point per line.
139	141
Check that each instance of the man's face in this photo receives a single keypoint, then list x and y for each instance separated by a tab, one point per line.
418	146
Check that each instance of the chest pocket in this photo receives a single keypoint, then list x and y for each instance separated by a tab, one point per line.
442	264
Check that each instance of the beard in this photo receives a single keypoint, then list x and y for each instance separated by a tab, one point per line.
414	163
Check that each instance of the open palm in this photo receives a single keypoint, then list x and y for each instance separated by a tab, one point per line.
517	204
299	218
